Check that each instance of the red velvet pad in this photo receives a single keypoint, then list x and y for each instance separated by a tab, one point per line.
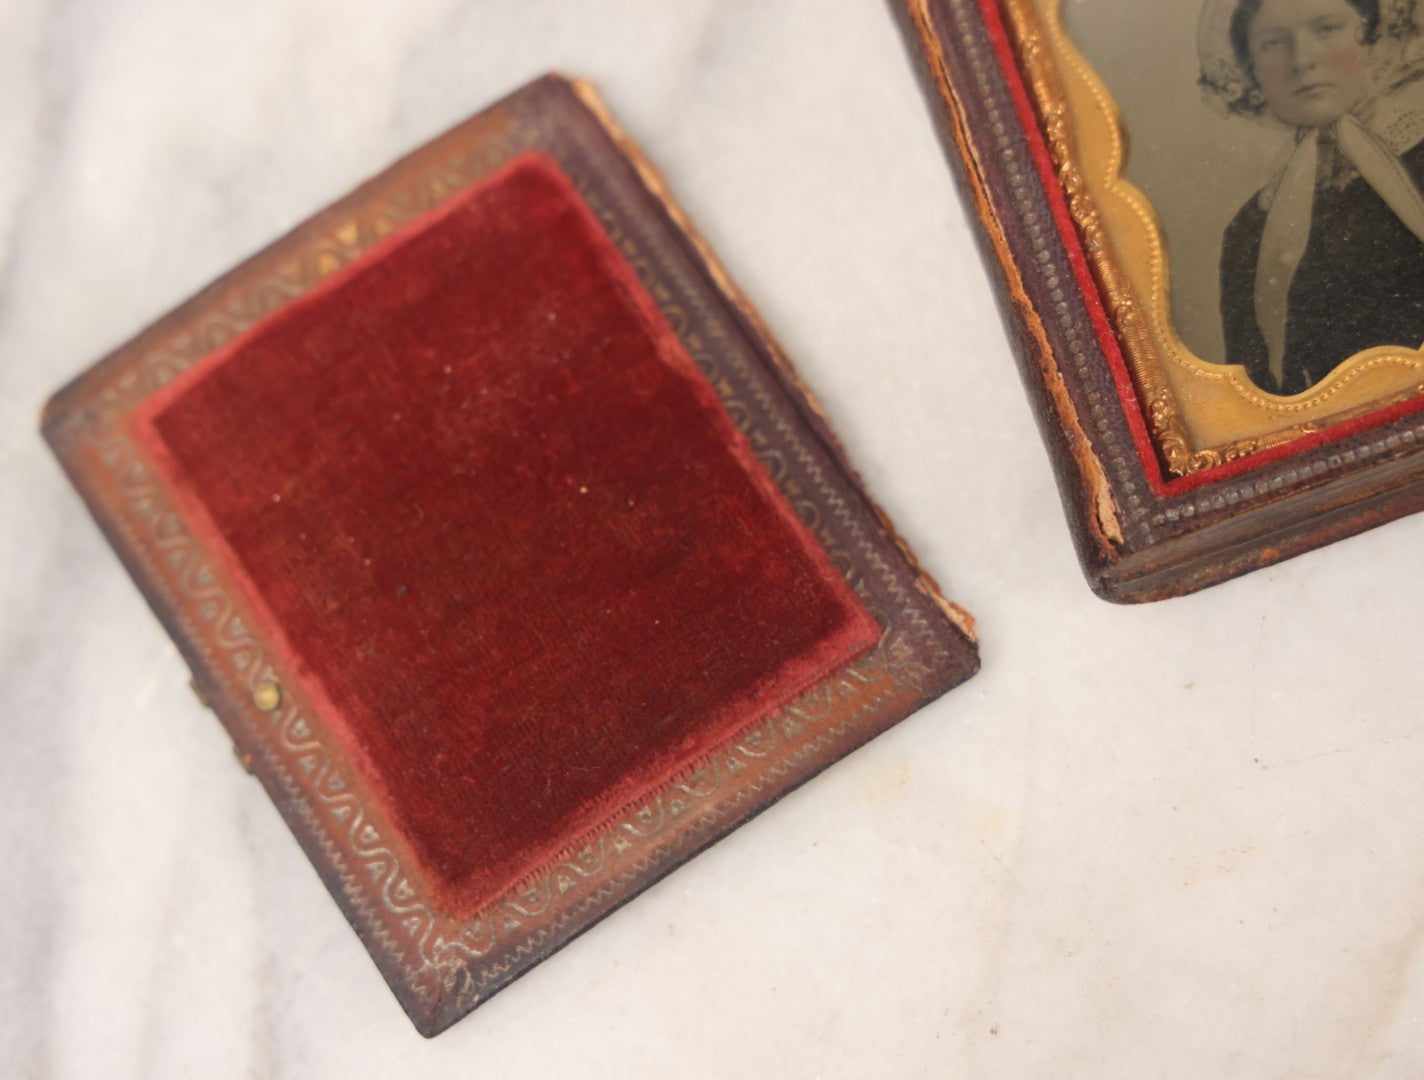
502	530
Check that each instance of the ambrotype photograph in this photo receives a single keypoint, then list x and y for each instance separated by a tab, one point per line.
1202	221
1261	176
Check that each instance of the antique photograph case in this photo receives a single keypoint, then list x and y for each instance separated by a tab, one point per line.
507	545
1206	226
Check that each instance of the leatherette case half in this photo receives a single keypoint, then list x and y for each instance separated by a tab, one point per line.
504	541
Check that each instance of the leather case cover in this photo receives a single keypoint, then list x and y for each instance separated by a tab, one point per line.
504	541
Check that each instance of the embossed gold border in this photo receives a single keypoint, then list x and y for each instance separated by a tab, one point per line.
1200	414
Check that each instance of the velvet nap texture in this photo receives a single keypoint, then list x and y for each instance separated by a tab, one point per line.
501	530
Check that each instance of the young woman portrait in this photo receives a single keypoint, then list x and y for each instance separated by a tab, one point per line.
1326	260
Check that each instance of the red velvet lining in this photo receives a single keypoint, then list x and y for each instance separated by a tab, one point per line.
501	529
1160	483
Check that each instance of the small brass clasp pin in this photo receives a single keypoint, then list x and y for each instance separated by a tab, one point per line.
267	695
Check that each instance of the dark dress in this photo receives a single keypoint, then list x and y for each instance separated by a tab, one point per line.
1360	283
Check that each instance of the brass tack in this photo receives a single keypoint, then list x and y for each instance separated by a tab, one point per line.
267	695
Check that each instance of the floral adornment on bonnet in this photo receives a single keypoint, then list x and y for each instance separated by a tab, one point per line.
1398	55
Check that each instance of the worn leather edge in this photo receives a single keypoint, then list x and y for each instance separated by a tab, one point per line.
791	380
1082	482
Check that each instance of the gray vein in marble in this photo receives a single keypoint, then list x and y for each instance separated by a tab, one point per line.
39	728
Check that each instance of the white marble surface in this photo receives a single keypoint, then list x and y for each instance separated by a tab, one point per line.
1185	840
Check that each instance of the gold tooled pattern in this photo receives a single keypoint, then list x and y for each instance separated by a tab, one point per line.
1041	72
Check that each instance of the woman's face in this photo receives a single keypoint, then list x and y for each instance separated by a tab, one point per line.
1310	59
